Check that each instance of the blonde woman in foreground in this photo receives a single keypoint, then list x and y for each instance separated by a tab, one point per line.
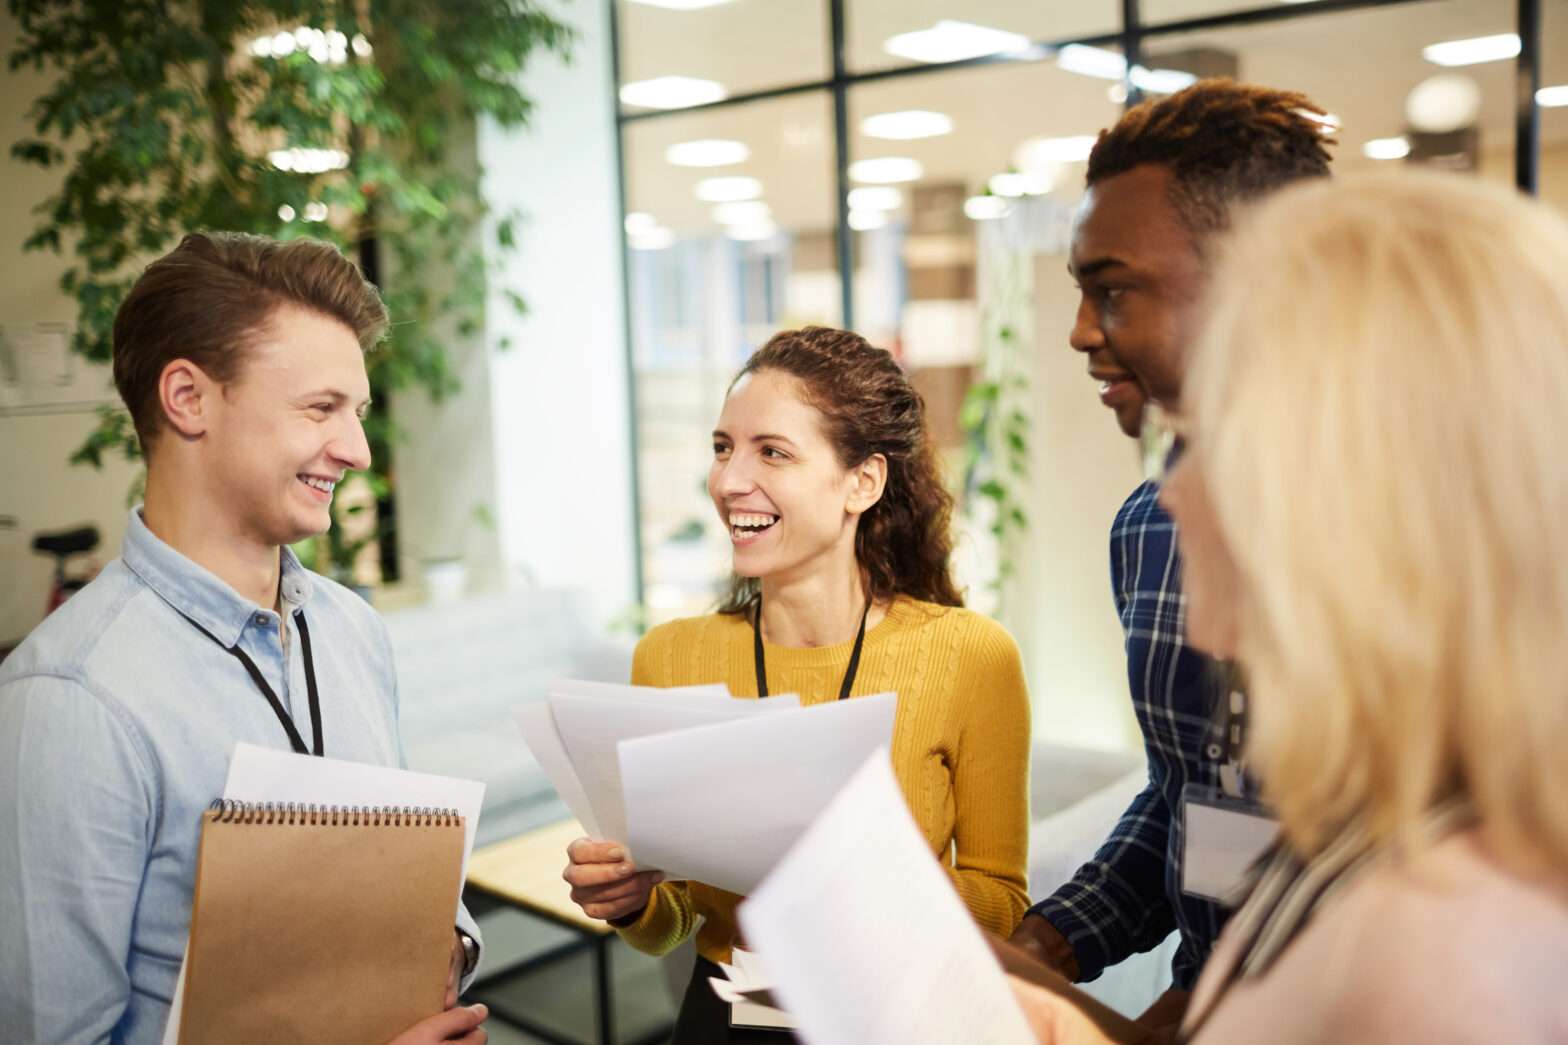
1373	510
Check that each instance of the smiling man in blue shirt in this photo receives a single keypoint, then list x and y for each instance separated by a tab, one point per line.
1162	184
241	361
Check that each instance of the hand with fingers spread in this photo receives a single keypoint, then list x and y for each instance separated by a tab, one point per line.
605	883
460	1025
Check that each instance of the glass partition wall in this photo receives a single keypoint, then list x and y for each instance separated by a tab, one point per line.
908	168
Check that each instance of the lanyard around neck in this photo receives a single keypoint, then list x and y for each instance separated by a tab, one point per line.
849	673
295	740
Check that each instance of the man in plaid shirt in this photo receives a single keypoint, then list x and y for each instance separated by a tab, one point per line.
1161	183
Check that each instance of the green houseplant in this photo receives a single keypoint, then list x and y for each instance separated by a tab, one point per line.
339	119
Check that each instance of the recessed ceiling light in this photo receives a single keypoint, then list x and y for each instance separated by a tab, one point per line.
886	169
672	92
1443	103
1091	61
1551	97
866	220
638	222
680	5
1160	81
1474	50
707	152
656	238
1037	153
753	233
875	197
985	208
907	125
950	41
1014	184
728	190
1386	149
743	212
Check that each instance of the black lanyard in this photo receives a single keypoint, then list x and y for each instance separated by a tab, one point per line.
295	740
849	673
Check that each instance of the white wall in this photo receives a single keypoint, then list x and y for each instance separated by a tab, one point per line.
1059	605
558	395
37	488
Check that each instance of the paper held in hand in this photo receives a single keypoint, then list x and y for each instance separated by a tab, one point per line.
849	961
700	787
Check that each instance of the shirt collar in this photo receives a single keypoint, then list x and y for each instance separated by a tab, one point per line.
196	592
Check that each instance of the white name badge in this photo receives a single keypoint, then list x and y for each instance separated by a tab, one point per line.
1222	838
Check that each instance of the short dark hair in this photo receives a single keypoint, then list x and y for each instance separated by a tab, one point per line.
1223	142
904	541
208	298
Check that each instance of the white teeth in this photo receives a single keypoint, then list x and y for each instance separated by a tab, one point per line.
752	521
324	485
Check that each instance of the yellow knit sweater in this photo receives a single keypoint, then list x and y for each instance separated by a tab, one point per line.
960	747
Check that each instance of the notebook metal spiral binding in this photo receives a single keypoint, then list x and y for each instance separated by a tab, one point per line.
233	811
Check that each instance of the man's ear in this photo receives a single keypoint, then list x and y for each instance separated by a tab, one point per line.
185	395
867	481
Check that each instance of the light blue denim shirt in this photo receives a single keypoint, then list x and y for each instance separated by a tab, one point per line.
117	720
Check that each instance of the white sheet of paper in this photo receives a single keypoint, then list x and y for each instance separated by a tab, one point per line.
585	688
258	774
537	724
721	804
591	727
852	962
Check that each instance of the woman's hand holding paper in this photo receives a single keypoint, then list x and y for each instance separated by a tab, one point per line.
605	883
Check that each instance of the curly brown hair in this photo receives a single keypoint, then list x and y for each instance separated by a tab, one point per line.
1223	142
869	407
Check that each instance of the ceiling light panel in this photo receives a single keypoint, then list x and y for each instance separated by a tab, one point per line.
907	125
886	170
707	152
951	41
875	197
1474	50
1386	149
728	190
672	92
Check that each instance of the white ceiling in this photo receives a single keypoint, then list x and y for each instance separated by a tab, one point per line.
1359	65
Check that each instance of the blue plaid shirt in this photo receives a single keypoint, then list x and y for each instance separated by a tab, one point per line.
1128	898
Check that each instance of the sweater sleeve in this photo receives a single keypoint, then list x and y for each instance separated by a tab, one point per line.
668	919
991	788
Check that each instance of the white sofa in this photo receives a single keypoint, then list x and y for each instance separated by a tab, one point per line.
1076	797
460	670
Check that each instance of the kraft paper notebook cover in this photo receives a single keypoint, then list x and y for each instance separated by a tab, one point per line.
312	924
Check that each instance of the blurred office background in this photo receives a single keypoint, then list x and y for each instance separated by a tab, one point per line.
703	173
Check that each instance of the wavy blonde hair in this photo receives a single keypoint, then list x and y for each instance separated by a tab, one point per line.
1379	402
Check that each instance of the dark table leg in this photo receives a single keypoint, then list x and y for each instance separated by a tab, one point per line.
601	971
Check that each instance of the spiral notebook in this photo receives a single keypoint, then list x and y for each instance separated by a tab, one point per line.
319	923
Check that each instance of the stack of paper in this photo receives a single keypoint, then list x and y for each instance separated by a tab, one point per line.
866	939
698	784
748	989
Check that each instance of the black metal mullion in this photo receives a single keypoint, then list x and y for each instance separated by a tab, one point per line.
843	235
1132	49
1527	81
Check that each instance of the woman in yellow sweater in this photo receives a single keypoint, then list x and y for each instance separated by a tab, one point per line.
824	475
